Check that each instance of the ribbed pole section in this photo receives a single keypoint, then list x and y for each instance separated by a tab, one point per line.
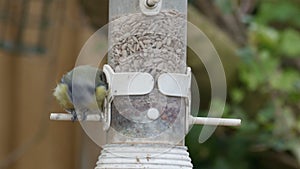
150	156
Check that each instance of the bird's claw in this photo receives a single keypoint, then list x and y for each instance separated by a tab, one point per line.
74	118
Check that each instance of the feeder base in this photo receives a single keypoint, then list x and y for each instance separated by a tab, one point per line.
150	156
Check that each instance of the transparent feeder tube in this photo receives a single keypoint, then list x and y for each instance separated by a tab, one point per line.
149	39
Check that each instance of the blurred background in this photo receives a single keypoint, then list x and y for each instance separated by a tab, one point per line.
259	45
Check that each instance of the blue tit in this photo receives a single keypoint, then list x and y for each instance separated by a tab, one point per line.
82	90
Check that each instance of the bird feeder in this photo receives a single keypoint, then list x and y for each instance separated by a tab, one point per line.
148	38
147	110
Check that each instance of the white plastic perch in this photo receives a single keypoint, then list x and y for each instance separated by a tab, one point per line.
214	121
69	117
192	120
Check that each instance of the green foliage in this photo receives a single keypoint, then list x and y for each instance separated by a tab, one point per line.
290	41
267	97
276	11
263	37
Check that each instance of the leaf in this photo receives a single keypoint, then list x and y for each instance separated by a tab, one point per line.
246	53
266	115
258	72
285	81
237	95
268	64
289	44
285	12
263	37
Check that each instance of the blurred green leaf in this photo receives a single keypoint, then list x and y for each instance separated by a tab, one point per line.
246	53
285	81
266	115
290	43
286	12
237	95
263	37
258	72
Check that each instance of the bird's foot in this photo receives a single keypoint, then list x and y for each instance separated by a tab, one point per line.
75	117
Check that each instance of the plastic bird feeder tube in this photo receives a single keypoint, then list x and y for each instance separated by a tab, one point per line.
148	40
147	129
